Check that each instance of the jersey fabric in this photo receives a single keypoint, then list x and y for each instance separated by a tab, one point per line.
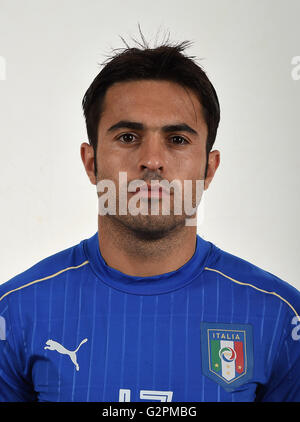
218	329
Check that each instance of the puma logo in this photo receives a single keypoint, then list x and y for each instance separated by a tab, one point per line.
54	345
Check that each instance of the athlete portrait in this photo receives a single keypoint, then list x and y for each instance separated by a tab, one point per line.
146	309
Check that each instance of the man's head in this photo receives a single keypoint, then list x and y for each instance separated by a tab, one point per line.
154	114
167	63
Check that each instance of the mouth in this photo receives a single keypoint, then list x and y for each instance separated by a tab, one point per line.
154	191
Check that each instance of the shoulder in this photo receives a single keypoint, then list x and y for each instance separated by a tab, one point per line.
244	274
49	268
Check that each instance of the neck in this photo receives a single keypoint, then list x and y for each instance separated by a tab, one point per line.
125	251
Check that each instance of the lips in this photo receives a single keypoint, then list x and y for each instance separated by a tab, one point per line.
152	191
150	188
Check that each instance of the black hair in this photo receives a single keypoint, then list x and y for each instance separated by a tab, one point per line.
165	62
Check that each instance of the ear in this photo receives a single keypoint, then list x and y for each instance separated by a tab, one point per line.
87	156
213	164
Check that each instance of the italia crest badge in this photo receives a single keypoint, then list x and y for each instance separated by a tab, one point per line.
227	353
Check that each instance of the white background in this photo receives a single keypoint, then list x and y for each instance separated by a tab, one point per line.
52	51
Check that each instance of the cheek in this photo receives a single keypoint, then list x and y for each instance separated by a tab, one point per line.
110	163
190	170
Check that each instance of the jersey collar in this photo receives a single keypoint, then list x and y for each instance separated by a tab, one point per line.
157	284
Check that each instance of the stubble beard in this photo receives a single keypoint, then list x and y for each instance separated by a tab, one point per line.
146	227
149	227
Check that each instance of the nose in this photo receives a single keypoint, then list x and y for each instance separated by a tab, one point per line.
152	155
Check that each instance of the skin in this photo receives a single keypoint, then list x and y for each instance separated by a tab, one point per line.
147	245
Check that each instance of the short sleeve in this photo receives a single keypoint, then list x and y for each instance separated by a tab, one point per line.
284	382
13	386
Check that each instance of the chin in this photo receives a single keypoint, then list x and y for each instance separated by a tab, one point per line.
152	227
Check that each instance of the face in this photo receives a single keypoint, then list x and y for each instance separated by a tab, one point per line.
152	130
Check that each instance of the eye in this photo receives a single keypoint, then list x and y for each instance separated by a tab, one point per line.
179	140
126	138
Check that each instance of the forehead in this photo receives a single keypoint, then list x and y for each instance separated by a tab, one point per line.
152	101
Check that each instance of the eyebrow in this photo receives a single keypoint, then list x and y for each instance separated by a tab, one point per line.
180	127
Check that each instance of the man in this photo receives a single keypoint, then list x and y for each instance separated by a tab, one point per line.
145	309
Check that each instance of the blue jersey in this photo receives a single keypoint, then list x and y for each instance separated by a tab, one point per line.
218	329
